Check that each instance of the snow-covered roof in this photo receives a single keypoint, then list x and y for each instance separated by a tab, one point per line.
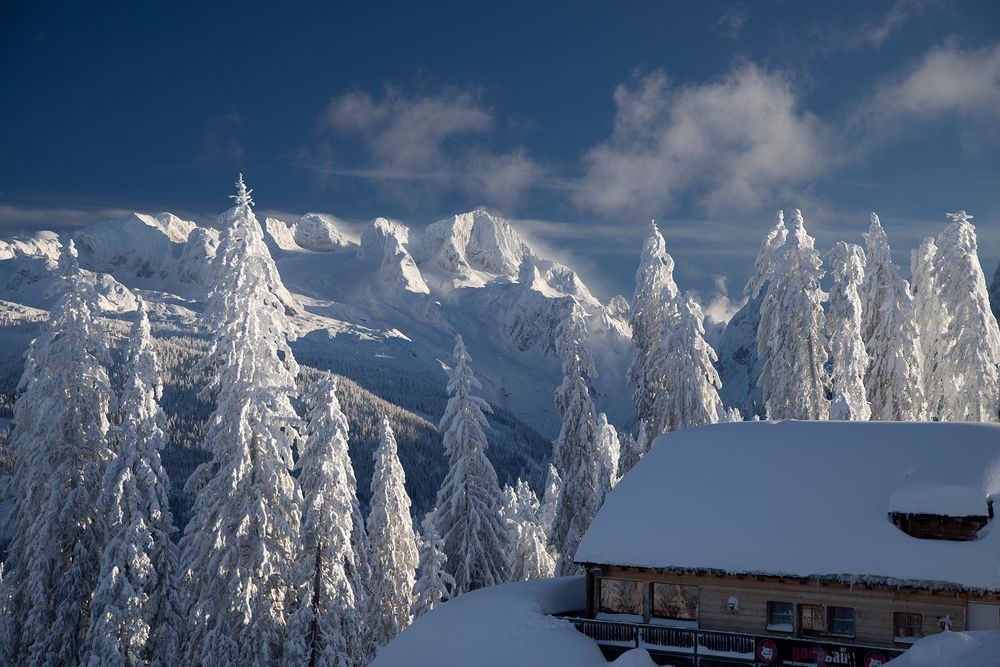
806	499
956	649
503	626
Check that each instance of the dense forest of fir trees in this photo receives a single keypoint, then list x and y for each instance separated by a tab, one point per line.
277	563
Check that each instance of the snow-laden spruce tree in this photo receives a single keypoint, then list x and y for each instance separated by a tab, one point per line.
767	258
930	319
995	294
971	353
576	453
550	500
468	503
326	627
393	544
239	548
894	379
847	347
653	309
434	586
60	449
610	449
135	612
792	332
690	395
633	447
532	556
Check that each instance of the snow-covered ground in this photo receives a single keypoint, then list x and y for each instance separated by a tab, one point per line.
504	626
953	649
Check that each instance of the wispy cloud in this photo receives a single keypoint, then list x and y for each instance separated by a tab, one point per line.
16	218
733	143
877	32
948	82
731	23
441	138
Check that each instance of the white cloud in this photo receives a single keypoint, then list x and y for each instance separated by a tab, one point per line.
875	34
732	21
731	144
439	139
27	218
720	308
946	80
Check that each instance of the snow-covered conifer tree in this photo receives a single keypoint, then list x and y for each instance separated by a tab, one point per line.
576	452
550	500
393	544
847	347
652	309
326	627
930	319
610	450
690	394
239	548
792	331
970	356
532	556
995	294
60	450
767	258
434	586
135	613
632	449
895	370
468	502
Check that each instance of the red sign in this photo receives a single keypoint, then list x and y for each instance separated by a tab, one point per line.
803	652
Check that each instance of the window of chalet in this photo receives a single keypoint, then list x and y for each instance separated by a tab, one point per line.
780	616
619	596
908	627
812	620
675	602
842	621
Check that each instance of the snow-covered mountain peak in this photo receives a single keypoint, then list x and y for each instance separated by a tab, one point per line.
313	231
477	240
39	244
377	232
319	231
144	244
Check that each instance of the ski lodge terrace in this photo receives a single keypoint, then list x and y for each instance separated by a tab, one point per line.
796	543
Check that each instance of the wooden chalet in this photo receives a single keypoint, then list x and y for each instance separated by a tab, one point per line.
796	543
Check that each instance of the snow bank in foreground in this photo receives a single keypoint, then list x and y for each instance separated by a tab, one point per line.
955	649
504	626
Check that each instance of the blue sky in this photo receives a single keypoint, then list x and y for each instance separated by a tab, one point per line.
579	121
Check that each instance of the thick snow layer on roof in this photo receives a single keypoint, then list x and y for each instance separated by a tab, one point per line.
806	499
504	626
954	649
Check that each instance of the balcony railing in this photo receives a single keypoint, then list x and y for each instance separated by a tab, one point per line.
699	644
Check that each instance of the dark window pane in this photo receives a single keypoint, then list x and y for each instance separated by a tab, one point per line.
621	597
674	601
781	616
842	621
908	626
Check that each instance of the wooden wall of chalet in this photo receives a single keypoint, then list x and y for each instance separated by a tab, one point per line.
873	607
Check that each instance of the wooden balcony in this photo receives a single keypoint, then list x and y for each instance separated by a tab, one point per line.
684	647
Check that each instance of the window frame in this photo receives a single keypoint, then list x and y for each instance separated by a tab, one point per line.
907	639
639	584
779	627
652	602
830	621
821	616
